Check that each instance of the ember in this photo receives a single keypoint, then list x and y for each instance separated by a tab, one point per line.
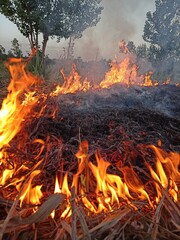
54	183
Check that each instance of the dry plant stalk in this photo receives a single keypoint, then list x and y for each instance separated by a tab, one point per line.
73	207
153	228
83	224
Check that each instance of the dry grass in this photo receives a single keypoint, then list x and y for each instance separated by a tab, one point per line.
121	135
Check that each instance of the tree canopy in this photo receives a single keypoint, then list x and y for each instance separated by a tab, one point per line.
162	31
16	50
162	27
61	18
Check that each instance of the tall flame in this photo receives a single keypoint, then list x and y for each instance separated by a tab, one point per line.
167	173
19	101
111	189
72	83
119	73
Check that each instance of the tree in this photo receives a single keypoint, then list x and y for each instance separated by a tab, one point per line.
23	14
2	53
16	50
76	16
61	18
152	53
141	50
81	14
162	28
2	50
131	47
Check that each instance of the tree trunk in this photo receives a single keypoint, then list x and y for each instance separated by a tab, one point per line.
69	48
36	40
44	44
31	41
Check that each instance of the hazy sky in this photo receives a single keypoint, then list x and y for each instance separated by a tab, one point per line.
120	19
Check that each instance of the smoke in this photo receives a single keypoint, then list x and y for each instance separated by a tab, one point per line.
120	19
163	100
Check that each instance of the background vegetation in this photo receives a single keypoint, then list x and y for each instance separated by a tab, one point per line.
68	19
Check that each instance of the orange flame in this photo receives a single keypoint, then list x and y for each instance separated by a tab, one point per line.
167	173
119	73
18	102
31	194
7	174
148	81
123	47
72	83
134	183
124	73
111	189
111	186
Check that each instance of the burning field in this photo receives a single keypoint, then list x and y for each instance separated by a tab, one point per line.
89	161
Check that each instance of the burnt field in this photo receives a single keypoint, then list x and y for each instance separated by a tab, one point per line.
95	163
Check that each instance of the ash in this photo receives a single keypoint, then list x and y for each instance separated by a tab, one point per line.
164	100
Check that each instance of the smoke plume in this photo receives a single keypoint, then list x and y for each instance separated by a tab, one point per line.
120	19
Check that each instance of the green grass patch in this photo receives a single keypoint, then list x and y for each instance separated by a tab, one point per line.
4	73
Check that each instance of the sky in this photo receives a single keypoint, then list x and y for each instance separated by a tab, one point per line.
120	19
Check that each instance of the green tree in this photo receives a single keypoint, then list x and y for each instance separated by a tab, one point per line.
141	51
131	47
15	49
23	14
61	18
162	31
2	50
2	53
152	53
162	28
81	14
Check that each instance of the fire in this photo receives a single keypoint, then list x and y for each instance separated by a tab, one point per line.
134	184
110	186
123	47
113	190
64	189
148	81
167	173
7	174
15	107
72	83
119	73
124	73
18	103
96	187
31	194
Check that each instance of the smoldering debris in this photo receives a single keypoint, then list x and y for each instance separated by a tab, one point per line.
164	99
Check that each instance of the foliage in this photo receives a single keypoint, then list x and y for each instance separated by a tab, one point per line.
131	46
2	49
16	50
141	50
4	74
59	18
162	28
23	14
39	67
36	66
81	14
2	53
